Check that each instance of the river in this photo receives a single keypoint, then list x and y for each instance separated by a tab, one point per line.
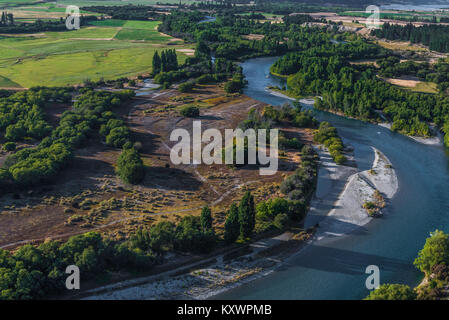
334	268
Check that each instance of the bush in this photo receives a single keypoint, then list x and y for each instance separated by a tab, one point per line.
328	135
233	86
340	159
186	86
190	111
392	292
206	78
5	176
280	221
189	236
32	165
117	137
9	146
435	251
162	236
130	167
34	272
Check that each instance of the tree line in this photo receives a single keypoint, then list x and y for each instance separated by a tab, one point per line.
9	25
355	90
435	36
91	109
437	72
127	12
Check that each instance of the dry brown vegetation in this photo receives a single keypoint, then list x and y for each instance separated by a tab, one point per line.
87	195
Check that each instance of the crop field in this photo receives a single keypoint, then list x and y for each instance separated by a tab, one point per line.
394	15
106	50
108	23
85	3
140	34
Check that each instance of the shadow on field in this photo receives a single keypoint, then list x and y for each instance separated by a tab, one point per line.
170	179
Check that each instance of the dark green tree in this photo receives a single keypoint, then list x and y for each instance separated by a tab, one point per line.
232	225
247	215
206	219
130	166
392	292
162	236
156	63
435	251
164	61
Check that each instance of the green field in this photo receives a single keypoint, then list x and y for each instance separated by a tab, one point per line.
134	30
15	2
391	15
7	83
108	23
65	58
140	34
87	3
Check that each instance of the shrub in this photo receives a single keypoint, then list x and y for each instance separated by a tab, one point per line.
190	111
233	86
117	137
280	221
190	237
392	292
186	86
435	251
162	236
130	167
327	135
9	146
340	159
206	78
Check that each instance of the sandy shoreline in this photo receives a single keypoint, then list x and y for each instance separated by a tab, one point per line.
436	140
279	94
348	214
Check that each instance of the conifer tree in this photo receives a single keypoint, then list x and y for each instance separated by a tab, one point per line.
232	225
156	63
247	215
206	219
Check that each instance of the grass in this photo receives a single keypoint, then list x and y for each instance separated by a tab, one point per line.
134	24
141	34
88	3
66	69
426	87
415	86
7	2
141	30
70	57
89	33
400	45
5	82
108	23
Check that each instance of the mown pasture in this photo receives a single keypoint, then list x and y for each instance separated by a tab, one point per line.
107	49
